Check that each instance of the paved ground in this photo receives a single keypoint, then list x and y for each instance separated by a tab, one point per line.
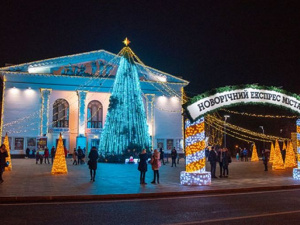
28	179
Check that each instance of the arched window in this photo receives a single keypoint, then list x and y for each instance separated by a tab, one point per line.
61	113
94	114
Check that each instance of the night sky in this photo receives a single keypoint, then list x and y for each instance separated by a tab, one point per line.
209	43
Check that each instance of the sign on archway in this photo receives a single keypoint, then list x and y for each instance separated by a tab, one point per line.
236	95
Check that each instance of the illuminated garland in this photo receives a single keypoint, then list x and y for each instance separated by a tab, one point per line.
240	129
259	115
6	143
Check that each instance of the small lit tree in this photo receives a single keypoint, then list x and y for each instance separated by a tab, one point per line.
272	151
290	158
254	157
278	162
59	164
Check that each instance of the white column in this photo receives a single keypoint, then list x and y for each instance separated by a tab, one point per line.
81	112
45	93
150	115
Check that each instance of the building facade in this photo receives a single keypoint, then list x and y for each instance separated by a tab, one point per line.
70	95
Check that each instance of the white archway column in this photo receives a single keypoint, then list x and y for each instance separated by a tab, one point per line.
296	171
195	145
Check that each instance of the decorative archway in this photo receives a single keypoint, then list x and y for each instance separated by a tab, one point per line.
223	97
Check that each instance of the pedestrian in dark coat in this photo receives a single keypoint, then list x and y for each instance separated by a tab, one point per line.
174	156
93	157
226	160
46	155
52	154
213	158
265	158
162	155
143	166
3	155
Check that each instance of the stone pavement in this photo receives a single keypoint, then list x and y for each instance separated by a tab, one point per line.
31	182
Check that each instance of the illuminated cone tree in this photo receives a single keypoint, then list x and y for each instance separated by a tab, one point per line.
6	143
284	146
277	162
126	123
59	164
254	157
272	153
290	158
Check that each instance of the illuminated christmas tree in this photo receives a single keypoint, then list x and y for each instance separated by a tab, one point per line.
254	157
290	158
126	124
278	162
272	153
59	164
6	143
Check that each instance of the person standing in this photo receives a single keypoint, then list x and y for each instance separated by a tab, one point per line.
52	154
155	161
265	158
162	155
213	158
27	153
74	155
143	166
93	157
173	156
3	155
46	155
245	153
226	160
220	160
79	155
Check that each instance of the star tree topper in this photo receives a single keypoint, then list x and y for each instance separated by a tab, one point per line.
126	41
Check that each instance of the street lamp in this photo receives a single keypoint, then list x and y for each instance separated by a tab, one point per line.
263	133
225	119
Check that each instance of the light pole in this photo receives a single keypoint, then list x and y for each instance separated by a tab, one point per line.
225	119
262	127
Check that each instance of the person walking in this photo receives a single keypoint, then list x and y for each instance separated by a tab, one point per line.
173	156
46	155
52	154
93	157
213	158
155	166
143	166
3	155
162	155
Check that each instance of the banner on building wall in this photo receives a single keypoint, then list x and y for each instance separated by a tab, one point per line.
235	95
41	143
19	143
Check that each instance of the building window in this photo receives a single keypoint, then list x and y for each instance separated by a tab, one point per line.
61	113
94	114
